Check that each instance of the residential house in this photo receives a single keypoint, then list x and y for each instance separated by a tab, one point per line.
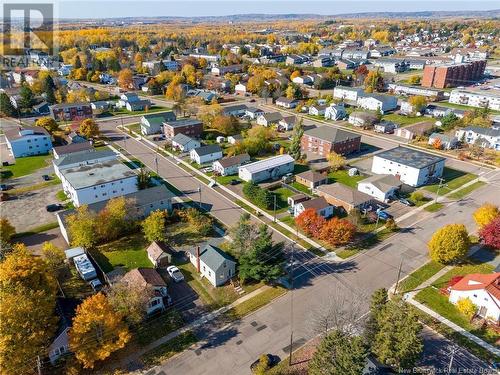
234	110
235	138
268	169
378	102
386	127
240	89
253	113
101	105
190	127
446	142
323	62
74	137
344	197
356	53
229	166
319	205
65	70
415	130
268	119
412	167
381	51
311	179
287	123
206	154
303	80
483	290
325	139
318	110
80	159
27	141
380	186
153	123
286	103
401	89
364	120
296	59
132	102
149	278
392	65
346	64
297	198
348	94
159	254
42	109
335	112
184	143
66	311
61	151
220	70
99	182
440	111
213	264
485	137
71	111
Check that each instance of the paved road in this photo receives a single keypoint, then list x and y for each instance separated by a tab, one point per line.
268	330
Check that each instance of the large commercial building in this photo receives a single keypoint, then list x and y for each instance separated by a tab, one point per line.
325	139
190	127
267	169
71	111
452	75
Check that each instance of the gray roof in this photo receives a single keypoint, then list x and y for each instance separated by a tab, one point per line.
73	147
181	139
273	116
381	97
82	157
384	182
158	119
283	99
268	163
95	174
443	137
312	176
254	110
331	134
209	149
234	160
345	194
183	122
14	133
315	203
410	157
489	132
238	107
213	257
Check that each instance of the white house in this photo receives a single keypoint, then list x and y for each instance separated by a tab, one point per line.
229	166
237	110
80	159
72	148
271	168
478	99
378	102
381	187
268	119
335	112
235	138
486	137
99	182
184	143
483	290
446	142
362	119
205	154
253	112
132	102
320	205
65	69
317	110
153	124
348	94
213	264
287	123
286	103
240	89
28	141
149	277
303	80
412	167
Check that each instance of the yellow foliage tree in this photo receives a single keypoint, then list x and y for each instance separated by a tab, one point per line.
53	255
7	230
466	307
336	161
125	78
48	123
485	214
89	128
97	331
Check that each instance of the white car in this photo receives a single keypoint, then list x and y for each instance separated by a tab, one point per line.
175	274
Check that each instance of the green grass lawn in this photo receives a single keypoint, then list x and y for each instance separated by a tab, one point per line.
432	298
282	195
134	127
158	326
124	111
169	349
61	195
254	303
464	107
343	177
226	180
402	120
435	207
418	276
128	252
453	179
301	187
467	190
25	166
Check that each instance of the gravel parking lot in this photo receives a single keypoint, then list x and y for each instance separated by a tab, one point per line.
27	211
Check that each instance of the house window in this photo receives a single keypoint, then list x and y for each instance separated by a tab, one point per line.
204	269
209	273
475	295
154	302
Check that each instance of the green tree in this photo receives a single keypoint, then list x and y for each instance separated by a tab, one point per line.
243	234
7	231
154	226
27	98
143	179
398	342
49	87
295	145
449	244
377	304
264	260
6	107
82	227
339	354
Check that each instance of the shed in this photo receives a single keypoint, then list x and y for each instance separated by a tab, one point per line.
158	254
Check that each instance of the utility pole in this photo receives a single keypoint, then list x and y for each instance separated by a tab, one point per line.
291	309
439	188
156	164
399	275
199	191
274	195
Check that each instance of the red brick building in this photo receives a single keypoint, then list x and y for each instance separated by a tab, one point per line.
71	111
191	128
325	139
452	75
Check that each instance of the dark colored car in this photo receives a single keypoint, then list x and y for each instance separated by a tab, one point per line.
46	177
272	360
54	207
406	202
252	100
384	215
234	182
4	187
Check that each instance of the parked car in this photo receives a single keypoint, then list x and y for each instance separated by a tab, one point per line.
384	215
54	207
272	360
175	274
234	182
96	285
406	202
46	177
4	187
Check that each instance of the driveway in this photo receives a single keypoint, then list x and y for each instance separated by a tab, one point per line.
27	211
34	242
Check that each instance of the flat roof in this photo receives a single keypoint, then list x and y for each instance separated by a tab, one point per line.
269	163
183	122
81	157
95	174
410	157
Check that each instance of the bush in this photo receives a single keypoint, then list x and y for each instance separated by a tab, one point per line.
416	196
466	307
261	197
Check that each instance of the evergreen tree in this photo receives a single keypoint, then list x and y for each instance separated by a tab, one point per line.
6	106
27	98
295	145
339	354
377	304
243	234
50	96
78	62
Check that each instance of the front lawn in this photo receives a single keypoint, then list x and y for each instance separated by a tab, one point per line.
435	207
401	120
134	127
170	348
158	326
25	166
418	276
343	177
301	187
453	179
282	195
226	180
466	190
128	252
255	303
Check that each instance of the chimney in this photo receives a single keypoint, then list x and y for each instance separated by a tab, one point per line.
198	258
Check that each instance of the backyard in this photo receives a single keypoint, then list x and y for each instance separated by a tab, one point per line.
25	166
342	177
401	120
124	111
453	179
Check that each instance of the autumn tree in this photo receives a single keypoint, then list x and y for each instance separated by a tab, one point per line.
437	144
226	124
89	128
374	81
82	227
336	161
97	331
449	244
113	219
28	300
143	179
295	74
418	102
48	123
414	80
466	307
338	231
130	300
7	231
155	226
490	233
198	222
125	78
310	222
53	256
295	145
485	214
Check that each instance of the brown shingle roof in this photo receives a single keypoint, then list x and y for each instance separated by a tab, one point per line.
312	176
143	277
316	203
73	147
345	194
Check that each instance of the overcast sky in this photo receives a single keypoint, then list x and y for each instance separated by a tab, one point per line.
186	8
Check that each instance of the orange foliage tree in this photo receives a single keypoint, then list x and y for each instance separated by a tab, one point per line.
310	222
338	231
